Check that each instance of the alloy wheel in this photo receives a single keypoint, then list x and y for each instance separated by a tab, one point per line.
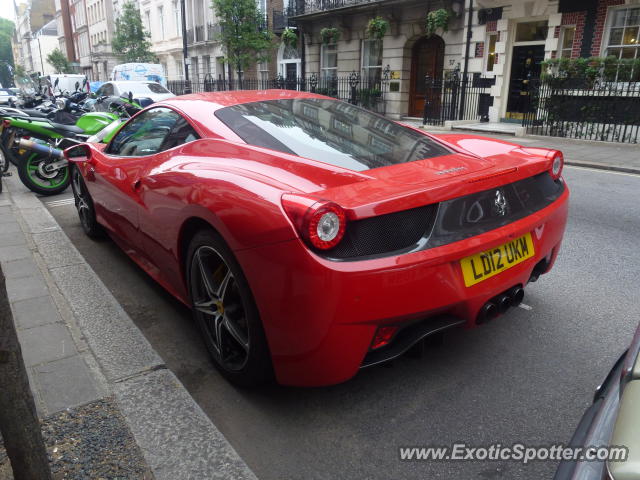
82	204
218	304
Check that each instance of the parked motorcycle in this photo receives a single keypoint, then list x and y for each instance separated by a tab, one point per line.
34	145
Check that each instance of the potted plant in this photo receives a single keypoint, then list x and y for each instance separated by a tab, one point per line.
290	38
329	35
377	27
437	20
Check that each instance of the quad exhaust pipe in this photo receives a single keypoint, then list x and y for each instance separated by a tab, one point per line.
500	304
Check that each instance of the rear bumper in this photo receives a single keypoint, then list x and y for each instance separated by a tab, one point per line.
320	316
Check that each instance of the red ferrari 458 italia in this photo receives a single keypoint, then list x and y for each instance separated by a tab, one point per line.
313	238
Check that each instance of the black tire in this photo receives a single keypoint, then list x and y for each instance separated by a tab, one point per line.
34	181
84	205
225	310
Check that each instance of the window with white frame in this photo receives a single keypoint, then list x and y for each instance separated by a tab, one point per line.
176	18
147	20
567	35
263	73
492	38
329	60
372	61
161	21
624	33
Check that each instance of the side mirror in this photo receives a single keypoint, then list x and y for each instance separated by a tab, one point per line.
77	86
55	84
130	96
80	153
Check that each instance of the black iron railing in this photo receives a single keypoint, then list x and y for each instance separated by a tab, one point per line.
282	19
454	97
583	109
199	33
303	7
354	89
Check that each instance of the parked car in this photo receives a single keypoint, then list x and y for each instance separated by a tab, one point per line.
152	90
613	419
314	237
7	96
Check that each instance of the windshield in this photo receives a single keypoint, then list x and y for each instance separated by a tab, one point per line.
330	131
25	84
144	88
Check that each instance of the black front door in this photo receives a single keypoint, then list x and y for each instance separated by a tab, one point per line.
525	69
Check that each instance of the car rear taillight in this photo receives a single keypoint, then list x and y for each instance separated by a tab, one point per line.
320	223
557	162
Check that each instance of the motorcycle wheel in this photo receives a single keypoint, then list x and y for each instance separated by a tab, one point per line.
35	179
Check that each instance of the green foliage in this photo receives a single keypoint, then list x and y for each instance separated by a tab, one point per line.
377	27
289	37
243	33
58	61
437	20
6	54
330	35
130	41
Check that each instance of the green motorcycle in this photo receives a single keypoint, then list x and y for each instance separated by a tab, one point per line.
33	144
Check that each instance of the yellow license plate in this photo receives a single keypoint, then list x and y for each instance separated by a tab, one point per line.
483	265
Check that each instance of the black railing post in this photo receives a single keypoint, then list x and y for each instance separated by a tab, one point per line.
426	99
313	82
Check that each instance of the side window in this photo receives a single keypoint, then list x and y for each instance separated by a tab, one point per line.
182	133
145	134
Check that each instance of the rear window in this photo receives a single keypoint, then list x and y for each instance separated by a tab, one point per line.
330	131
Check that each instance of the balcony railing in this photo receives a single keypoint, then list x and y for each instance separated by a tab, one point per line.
282	19
213	31
304	7
200	33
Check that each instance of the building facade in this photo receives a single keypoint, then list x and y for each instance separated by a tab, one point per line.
35	31
506	44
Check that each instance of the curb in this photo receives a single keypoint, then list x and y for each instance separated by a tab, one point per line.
176	437
603	166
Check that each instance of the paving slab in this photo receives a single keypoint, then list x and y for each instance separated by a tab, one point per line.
46	343
66	383
10	227
14	252
34	312
11	238
119	346
25	267
26	287
177	438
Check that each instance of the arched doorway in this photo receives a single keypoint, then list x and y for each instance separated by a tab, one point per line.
427	58
289	64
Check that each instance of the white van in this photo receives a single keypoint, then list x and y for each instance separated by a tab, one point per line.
140	72
67	82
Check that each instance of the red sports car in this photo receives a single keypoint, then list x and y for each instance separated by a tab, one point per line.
313	238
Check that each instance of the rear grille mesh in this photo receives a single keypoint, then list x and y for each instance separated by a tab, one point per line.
450	221
385	233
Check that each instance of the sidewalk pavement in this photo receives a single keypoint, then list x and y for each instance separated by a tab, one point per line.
621	157
92	372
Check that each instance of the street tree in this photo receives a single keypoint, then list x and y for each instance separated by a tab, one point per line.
130	40
58	61
244	33
6	53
